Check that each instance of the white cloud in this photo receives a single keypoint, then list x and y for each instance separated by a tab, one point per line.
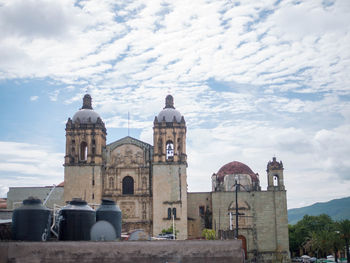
310	158
252	80
54	95
35	164
157	43
3	191
34	98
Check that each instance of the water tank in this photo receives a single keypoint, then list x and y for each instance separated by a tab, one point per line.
31	221
110	212
76	220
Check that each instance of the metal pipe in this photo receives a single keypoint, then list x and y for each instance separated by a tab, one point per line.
173	226
48	196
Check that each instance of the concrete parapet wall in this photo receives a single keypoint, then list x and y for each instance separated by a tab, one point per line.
122	252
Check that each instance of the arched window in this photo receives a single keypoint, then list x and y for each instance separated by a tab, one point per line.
169	213
275	180
83	151
169	150
128	185
111	182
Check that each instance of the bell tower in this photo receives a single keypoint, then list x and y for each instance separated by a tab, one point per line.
169	182
85	140
275	180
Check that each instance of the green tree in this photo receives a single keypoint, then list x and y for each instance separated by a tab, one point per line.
301	233
296	238
326	242
344	231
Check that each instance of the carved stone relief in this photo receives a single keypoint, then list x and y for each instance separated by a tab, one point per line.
128	209
126	155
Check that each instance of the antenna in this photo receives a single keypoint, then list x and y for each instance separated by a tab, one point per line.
128	123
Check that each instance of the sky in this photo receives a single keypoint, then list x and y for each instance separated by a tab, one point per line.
253	80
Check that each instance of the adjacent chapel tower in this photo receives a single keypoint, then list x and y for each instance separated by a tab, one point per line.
85	140
275	178
169	182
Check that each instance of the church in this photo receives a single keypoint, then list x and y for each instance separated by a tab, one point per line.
149	183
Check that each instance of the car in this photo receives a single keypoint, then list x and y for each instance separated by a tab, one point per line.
166	236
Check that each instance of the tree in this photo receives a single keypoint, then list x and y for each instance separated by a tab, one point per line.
344	230
296	238
301	233
326	242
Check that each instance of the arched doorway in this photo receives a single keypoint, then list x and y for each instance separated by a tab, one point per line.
244	244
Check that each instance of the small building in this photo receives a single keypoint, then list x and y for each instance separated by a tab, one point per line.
16	195
262	215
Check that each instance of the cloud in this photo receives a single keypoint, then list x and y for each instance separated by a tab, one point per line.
34	98
52	20
29	164
252	79
3	191
54	95
310	158
155	44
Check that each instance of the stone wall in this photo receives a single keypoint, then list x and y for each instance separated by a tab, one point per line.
264	225
169	191
196	222
83	181
122	252
16	195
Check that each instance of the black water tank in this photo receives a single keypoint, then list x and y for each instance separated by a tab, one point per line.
31	221
111	213
76	220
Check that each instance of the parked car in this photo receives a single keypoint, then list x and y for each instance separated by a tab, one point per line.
297	259
166	236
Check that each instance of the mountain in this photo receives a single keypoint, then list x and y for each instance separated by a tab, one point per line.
337	209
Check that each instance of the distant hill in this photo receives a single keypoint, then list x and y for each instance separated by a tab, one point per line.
337	209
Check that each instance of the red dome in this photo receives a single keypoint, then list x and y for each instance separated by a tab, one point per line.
235	168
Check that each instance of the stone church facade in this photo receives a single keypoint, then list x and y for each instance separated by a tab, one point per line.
149	183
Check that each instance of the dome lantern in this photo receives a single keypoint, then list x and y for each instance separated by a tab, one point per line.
86	114
87	102
169	102
169	113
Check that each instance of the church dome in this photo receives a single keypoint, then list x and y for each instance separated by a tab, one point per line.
235	168
86	114
169	112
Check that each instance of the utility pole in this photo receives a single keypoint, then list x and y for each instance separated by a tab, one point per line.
236	232
237	214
